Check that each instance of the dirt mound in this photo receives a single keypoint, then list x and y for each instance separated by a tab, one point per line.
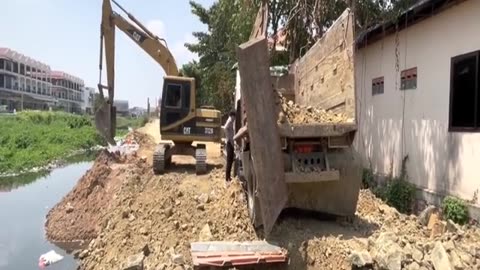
76	216
164	214
296	114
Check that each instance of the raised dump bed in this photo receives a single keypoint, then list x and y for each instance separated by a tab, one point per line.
313	165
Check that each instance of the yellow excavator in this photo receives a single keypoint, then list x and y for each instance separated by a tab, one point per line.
180	120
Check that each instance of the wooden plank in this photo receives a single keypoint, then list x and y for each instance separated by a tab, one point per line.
265	145
324	76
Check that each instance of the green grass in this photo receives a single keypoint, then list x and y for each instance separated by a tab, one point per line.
124	122
31	139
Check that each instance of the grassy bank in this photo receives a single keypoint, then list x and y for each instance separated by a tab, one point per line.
124	122
31	139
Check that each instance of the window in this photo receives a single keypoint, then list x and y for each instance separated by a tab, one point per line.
22	69
15	67
2	63
465	93
377	86
2	79
8	65
408	79
174	92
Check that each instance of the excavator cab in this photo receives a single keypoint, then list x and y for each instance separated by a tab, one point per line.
178	103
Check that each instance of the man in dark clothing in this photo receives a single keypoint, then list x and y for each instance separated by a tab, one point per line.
229	132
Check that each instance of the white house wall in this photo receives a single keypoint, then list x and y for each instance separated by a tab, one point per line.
439	161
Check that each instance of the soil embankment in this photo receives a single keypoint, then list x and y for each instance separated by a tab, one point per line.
127	210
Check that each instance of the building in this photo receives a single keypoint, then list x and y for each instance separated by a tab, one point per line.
88	100
68	90
24	82
418	95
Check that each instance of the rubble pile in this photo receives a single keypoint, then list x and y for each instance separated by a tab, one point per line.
296	114
408	242
138	220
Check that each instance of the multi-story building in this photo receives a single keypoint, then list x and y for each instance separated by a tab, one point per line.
68	90
24	82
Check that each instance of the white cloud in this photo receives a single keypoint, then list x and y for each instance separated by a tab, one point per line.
157	27
181	53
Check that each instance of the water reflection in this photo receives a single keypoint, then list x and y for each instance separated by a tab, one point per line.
22	215
10	183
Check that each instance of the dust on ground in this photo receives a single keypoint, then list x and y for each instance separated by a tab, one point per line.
127	210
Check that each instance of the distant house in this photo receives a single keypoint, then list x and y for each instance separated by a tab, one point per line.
137	111
418	94
121	106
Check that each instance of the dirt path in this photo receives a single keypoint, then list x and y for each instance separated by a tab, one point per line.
127	211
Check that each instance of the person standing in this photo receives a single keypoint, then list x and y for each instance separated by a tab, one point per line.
229	132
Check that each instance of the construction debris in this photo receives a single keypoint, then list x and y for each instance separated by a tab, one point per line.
120	190
221	253
293	113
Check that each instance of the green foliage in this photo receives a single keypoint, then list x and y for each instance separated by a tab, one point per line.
33	138
229	24
398	192
455	209
367	178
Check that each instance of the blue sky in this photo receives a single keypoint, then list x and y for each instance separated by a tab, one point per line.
65	35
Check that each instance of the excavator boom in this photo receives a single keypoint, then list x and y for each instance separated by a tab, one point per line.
105	115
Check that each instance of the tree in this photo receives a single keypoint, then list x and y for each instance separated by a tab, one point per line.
229	24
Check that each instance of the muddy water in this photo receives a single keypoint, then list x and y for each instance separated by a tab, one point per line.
24	203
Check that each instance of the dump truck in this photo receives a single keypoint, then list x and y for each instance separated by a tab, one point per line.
294	131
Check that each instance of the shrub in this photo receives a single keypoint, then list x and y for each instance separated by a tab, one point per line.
455	209
367	178
400	194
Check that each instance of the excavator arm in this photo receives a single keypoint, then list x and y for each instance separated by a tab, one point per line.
105	116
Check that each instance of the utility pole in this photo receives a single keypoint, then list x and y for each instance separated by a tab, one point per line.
148	107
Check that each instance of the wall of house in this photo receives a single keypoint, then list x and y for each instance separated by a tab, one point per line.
415	122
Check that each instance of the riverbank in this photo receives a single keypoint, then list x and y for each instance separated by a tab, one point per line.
33	139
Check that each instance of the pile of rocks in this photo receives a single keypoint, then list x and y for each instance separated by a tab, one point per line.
423	247
296	114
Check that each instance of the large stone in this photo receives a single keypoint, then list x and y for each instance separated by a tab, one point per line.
413	266
439	257
178	259
424	216
388	254
204	198
413	252
205	234
455	261
134	262
361	258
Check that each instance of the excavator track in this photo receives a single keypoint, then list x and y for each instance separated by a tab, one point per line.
159	160
201	159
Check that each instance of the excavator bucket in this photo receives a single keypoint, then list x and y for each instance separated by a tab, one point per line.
105	121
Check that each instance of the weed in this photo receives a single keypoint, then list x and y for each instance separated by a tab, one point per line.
398	191
455	209
33	138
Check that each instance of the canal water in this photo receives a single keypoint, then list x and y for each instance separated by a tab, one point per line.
24	203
